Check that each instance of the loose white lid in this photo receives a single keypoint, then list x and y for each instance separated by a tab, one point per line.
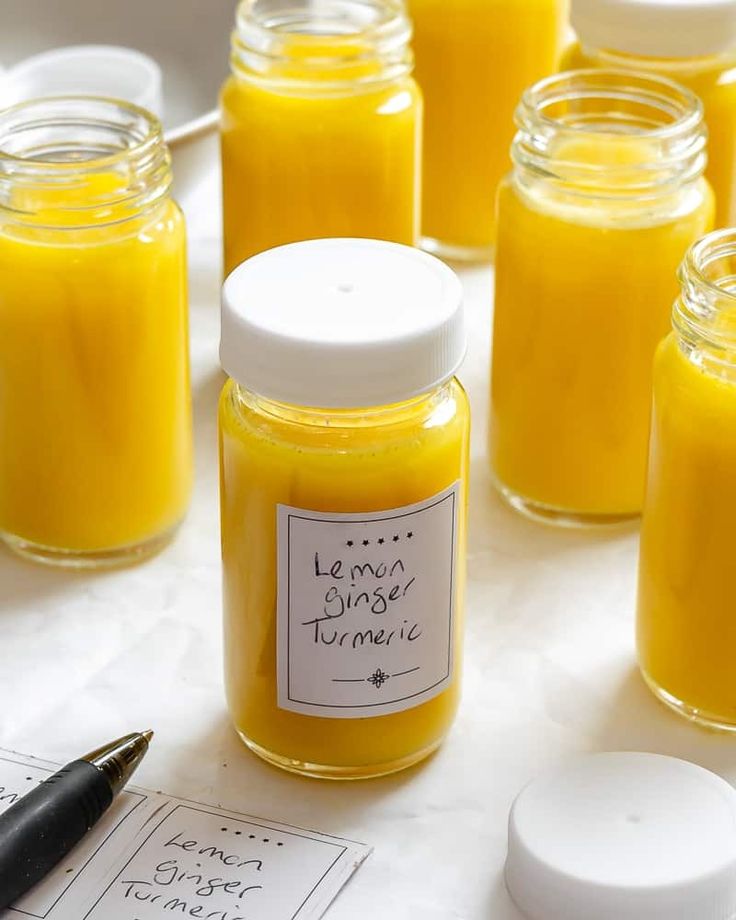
95	70
342	323
657	28
624	837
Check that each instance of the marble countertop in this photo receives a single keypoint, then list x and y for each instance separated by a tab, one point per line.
550	666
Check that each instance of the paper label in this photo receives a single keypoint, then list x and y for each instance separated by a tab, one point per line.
153	857
366	608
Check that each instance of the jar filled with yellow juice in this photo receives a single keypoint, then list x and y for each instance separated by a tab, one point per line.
320	125
344	467
606	195
95	419
474	58
686	622
690	41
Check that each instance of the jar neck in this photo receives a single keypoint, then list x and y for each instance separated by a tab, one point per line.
80	162
610	134
321	46
704	315
420	407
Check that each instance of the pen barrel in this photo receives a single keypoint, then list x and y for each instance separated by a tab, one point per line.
39	830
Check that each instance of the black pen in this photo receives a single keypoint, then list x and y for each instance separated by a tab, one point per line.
39	830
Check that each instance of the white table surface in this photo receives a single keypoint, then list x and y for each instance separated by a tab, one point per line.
549	667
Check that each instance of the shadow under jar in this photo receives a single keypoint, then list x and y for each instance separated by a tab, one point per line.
95	421
320	125
686	624
606	195
343	526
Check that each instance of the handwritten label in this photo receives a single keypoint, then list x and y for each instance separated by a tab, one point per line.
197	862
366	608
153	856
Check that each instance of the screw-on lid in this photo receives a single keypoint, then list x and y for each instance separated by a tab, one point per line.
96	70
624	837
342	323
657	28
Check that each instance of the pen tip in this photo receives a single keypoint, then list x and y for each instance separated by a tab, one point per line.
148	735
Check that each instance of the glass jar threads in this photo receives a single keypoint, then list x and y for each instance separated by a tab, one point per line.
344	466
321	125
474	59
95	418
691	41
686	626
606	194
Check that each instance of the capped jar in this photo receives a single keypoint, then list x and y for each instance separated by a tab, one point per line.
344	468
606	194
686	630
95	414
321	125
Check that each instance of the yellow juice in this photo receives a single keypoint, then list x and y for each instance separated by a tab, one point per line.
319	150
713	80
349	466
95	428
572	352
474	58
583	296
686	622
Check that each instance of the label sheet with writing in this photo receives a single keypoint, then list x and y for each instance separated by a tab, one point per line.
154	856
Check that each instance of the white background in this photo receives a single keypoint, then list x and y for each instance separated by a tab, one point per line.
550	668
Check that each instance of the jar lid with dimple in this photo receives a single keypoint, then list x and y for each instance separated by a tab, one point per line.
657	28
624	836
342	323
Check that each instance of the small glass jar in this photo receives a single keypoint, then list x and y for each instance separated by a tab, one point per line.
474	58
95	420
606	195
691	41
343	526
321	125
686	623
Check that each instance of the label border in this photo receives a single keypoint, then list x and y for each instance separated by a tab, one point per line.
451	492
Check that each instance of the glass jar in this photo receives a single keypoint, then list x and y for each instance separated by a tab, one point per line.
473	63
606	195
691	41
95	427
343	526
321	125
686	624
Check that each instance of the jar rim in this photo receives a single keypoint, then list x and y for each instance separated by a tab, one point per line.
53	147
627	80
332	38
391	16
658	127
152	136
714	246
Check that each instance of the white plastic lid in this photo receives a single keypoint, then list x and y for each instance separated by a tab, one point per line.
657	28
624	837
95	70
342	323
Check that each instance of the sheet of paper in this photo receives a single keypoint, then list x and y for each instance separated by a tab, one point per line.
153	856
